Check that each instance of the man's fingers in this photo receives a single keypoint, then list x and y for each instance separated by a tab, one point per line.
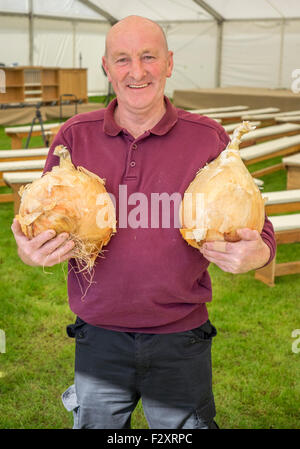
248	234
15	225
219	246
49	246
20	237
37	241
61	254
16	228
223	264
46	249
216	256
227	247
40	240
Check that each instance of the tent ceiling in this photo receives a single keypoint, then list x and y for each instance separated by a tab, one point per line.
164	11
215	42
168	10
256	9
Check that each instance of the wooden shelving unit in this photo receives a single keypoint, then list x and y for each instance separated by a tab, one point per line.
14	80
30	84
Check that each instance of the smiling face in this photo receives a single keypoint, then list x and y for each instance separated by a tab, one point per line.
137	63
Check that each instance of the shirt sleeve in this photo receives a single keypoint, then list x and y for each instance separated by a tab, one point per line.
268	236
224	140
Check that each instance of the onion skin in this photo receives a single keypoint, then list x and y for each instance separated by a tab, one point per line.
229	199
65	199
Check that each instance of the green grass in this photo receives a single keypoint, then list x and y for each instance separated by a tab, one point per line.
255	373
97	99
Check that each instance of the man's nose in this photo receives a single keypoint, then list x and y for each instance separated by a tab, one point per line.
137	70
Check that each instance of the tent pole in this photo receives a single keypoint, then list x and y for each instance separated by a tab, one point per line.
219	20
219	54
31	33
111	19
74	43
210	10
282	33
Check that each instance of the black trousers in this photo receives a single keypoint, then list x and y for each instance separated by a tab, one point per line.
171	373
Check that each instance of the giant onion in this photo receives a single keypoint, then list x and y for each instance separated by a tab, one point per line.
69	200
222	198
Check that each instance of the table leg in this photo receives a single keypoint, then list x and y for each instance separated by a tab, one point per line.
16	142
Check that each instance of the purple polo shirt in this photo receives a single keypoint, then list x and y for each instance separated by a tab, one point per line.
149	280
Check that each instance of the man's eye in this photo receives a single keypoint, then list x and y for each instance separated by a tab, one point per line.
121	61
148	57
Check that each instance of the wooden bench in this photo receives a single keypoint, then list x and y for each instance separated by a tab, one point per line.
230	117
216	110
269	133
265	119
36	164
272	116
21	155
267	150
282	201
15	180
287	230
289	113
23	165
19	132
290	119
292	165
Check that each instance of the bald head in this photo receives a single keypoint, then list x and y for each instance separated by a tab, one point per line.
134	24
137	63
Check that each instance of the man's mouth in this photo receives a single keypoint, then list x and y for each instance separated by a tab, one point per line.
138	86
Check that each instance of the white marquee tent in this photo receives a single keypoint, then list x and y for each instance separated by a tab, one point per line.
215	42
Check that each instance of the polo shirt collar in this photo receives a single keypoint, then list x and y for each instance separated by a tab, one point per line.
162	127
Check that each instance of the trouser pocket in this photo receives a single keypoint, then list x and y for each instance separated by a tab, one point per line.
69	400
74	328
205	332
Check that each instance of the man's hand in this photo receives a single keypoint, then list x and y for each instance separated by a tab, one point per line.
250	253
45	249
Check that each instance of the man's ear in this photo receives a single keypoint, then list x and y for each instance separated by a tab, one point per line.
105	68
170	64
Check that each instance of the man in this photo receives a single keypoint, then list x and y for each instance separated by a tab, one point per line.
142	329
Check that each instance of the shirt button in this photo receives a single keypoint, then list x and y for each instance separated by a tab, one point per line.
132	164
134	146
